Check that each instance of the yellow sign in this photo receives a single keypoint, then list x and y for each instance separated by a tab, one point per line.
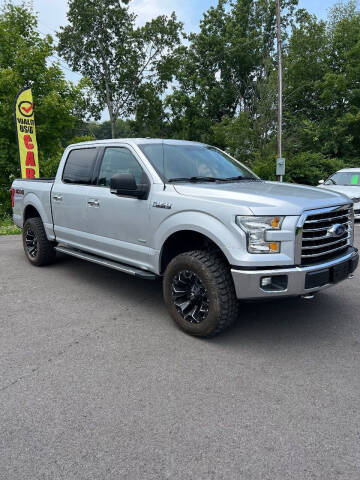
26	134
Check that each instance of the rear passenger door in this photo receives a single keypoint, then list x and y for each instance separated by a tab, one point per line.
119	225
69	197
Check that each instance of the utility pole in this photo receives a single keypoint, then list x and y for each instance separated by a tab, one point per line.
280	162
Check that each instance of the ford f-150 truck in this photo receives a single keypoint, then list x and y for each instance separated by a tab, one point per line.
193	215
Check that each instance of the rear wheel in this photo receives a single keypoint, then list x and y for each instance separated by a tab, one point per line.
199	293
38	250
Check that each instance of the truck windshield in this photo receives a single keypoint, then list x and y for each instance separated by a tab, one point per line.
194	163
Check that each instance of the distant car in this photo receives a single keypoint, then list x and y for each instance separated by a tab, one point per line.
346	181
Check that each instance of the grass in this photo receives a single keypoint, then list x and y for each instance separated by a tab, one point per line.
7	227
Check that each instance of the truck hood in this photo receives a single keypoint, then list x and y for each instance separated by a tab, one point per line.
265	198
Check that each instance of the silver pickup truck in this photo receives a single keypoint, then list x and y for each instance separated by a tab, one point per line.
193	215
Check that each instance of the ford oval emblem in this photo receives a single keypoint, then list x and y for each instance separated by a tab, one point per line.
336	230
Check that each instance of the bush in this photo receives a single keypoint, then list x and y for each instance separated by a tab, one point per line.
5	202
309	168
305	168
7	227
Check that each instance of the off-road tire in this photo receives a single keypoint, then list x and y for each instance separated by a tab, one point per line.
45	251
214	274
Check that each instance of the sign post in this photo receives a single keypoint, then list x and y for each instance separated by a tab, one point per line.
280	167
26	134
280	163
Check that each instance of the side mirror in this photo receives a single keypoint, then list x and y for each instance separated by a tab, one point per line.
321	182
125	184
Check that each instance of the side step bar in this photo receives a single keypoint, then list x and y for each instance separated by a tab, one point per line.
136	272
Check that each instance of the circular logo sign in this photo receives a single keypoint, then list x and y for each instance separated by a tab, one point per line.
337	230
26	108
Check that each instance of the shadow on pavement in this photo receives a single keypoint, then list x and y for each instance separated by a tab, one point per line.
274	322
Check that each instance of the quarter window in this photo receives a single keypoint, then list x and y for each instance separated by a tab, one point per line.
118	160
79	166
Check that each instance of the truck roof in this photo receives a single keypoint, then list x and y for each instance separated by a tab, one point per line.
350	170
137	141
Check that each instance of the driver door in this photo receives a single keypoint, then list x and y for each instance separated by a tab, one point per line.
119	225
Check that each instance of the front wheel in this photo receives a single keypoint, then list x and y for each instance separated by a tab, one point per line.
38	250
199	293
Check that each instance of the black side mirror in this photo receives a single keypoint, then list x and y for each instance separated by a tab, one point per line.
125	184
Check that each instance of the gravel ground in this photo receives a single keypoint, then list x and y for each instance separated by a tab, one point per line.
96	382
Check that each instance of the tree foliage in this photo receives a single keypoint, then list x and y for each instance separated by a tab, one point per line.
228	66
322	84
227	85
124	63
59	104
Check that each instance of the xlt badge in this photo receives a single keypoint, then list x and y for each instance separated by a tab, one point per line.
167	206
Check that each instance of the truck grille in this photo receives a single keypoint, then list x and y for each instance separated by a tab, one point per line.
318	242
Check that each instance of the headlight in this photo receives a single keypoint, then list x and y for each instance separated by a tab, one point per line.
256	228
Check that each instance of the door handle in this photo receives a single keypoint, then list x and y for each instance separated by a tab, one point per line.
94	203
57	198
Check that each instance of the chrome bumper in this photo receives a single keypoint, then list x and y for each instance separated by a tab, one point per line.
248	282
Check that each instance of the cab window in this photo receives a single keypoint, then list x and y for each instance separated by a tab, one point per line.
79	166
118	160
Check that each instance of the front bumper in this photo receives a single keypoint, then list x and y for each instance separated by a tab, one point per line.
294	281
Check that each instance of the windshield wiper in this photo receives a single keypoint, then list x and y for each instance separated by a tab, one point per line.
239	178
194	179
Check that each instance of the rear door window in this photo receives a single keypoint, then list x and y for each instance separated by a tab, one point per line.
79	166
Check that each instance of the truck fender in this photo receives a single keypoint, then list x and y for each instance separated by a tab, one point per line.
31	199
203	223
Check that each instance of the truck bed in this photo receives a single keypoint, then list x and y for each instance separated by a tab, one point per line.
35	193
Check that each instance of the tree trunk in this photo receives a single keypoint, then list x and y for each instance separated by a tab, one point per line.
113	123
112	120
109	99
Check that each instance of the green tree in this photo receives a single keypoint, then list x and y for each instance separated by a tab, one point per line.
305	64
59	105
227	68
102	131
322	95
122	61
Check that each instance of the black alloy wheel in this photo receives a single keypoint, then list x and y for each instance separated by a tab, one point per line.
31	242
190	297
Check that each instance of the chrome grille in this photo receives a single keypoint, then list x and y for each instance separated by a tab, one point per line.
317	242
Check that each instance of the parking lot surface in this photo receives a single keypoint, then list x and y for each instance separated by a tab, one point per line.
96	382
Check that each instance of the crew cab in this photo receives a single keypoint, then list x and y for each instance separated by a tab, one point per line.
193	215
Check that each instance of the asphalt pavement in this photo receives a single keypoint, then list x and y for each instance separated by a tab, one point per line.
96	382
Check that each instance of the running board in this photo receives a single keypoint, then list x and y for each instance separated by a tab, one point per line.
136	272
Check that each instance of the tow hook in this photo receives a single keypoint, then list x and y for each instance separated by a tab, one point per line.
309	296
